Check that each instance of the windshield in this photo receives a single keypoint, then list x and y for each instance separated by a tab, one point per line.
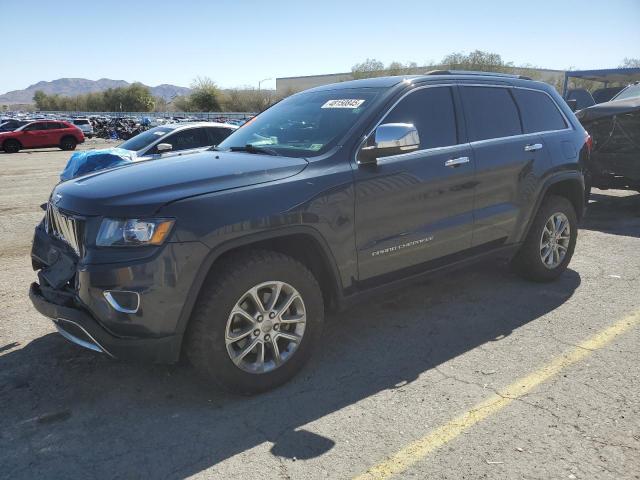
631	91
145	138
304	125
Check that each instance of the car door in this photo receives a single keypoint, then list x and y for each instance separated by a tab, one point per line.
183	141
508	162
35	135
55	132
415	207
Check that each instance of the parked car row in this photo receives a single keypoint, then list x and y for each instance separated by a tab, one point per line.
19	134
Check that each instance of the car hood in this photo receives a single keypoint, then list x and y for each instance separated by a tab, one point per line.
608	109
140	189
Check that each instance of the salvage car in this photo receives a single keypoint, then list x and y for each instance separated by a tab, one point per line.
615	129
42	134
159	142
232	256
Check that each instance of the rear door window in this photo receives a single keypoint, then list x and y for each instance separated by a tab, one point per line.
35	127
187	139
490	112
217	134
432	112
539	113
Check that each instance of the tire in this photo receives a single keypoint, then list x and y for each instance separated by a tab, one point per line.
528	262
230	282
11	146
68	143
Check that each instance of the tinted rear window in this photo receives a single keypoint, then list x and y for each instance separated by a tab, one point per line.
490	113
81	122
217	134
539	113
431	111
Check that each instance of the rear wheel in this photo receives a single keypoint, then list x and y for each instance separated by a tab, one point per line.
11	146
257	320
548	248
68	143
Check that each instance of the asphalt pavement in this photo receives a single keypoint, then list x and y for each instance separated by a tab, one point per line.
473	374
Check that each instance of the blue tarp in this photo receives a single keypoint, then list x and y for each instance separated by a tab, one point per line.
89	161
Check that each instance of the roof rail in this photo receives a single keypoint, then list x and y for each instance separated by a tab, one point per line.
471	72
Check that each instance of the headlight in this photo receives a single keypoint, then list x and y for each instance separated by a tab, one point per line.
133	232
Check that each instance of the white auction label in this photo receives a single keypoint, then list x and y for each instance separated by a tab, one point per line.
343	103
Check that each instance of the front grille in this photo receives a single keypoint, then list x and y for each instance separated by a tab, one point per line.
65	227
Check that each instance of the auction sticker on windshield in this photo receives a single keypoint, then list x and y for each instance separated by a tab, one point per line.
343	103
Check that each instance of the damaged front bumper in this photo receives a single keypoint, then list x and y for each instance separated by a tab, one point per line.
76	296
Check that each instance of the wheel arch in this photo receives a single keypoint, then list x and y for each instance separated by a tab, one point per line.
569	185
12	139
304	244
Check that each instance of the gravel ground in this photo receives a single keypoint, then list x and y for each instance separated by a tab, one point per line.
390	372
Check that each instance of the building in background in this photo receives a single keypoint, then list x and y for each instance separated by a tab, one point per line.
288	85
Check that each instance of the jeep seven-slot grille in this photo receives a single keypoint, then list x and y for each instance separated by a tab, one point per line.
64	227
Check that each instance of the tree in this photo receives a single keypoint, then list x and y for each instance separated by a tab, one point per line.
369	68
205	95
630	63
477	60
137	98
181	103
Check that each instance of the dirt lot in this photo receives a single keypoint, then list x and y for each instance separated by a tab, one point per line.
476	374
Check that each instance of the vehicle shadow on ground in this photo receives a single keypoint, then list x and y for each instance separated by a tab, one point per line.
68	413
618	215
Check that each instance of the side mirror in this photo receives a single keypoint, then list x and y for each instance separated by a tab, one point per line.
573	104
389	139
164	147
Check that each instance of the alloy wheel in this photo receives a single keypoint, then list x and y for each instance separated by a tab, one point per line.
265	327
554	241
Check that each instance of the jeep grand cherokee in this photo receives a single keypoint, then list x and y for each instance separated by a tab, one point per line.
233	255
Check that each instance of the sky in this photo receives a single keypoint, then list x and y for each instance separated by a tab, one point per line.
239	43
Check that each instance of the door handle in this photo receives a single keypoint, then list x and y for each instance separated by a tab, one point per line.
532	147
454	162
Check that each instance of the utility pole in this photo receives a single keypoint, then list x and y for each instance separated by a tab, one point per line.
263	80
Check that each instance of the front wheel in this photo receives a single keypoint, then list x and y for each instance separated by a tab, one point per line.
257	320
548	248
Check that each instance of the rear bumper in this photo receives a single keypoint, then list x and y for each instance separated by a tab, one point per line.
82	329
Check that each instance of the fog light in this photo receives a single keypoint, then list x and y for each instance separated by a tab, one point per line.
122	300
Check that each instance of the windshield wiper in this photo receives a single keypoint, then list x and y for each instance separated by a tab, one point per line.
249	148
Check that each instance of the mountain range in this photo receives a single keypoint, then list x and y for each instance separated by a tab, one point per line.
71	87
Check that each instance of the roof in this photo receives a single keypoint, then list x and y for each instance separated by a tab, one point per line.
198	124
607	75
387	82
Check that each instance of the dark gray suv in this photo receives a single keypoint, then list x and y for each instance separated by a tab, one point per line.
233	255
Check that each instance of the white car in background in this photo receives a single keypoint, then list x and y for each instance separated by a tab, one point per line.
160	142
83	124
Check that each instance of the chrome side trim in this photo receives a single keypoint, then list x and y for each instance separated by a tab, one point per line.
95	346
116	306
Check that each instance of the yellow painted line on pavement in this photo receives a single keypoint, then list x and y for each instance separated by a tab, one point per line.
417	450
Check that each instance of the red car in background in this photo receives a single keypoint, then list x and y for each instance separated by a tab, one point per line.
41	134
